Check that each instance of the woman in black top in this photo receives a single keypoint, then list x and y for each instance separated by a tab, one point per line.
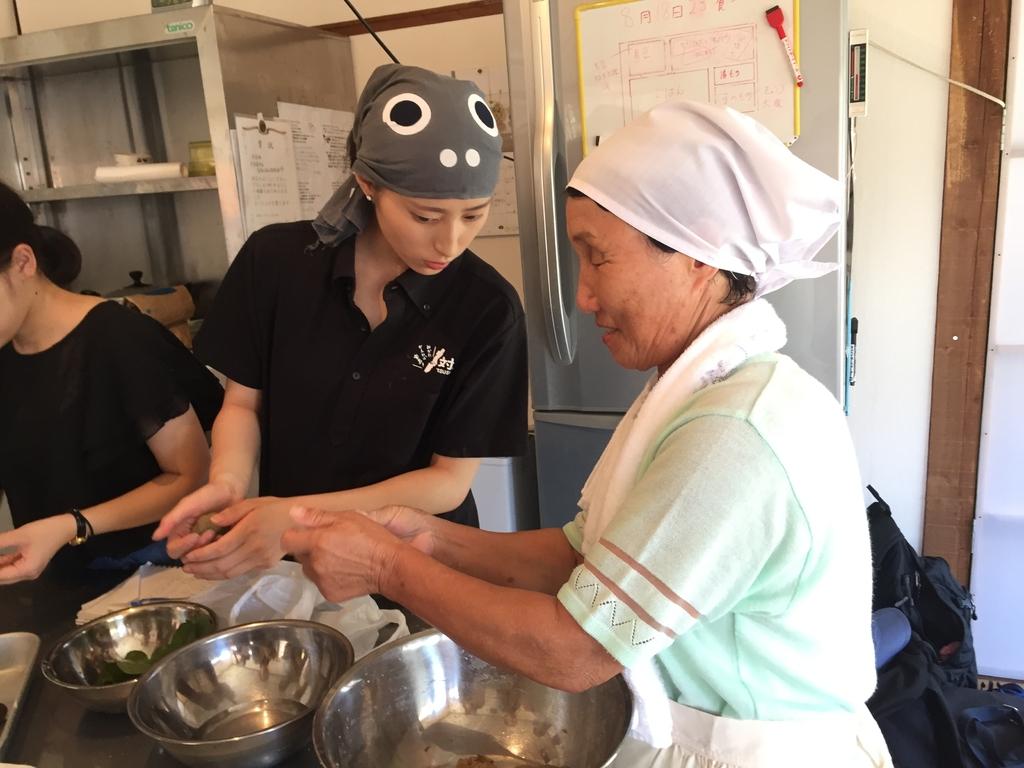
101	412
371	358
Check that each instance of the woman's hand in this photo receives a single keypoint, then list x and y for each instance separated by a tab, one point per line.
34	545
176	526
346	554
252	543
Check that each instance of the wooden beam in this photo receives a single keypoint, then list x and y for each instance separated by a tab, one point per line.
456	12
971	191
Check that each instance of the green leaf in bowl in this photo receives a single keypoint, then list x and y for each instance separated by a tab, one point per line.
137	663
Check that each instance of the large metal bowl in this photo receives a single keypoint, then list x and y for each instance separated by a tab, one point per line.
423	701
76	661
242	697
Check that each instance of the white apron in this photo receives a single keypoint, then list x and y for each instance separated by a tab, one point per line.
700	740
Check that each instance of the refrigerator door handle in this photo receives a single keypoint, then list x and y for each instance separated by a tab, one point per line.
560	338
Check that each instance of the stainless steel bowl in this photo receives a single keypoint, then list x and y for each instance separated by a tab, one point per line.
423	701
76	661
244	696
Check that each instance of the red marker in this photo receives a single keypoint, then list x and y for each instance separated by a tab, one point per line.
776	20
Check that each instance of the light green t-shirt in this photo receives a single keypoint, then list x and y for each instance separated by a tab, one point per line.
740	562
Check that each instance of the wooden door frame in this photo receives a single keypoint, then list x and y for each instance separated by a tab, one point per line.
974	131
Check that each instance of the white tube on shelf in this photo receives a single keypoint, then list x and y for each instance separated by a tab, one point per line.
106	174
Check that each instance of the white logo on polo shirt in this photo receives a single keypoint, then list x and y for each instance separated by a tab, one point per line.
431	358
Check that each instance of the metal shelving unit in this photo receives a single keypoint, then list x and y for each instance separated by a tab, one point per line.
120	189
152	84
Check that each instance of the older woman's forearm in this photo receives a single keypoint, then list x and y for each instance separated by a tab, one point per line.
521	630
539	561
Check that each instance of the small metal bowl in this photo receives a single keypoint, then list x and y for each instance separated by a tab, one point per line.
76	661
242	697
423	701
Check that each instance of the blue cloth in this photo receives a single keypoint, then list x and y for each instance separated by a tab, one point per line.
890	630
155	553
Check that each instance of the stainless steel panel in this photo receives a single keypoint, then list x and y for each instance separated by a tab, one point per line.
264	63
594	382
815	310
121	189
248	65
17	662
84	123
9	168
25	129
568	447
111	234
78	44
549	180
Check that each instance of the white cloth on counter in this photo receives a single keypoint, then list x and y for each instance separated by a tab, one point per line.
148	582
281	592
106	174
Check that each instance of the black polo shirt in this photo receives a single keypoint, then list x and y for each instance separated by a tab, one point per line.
344	406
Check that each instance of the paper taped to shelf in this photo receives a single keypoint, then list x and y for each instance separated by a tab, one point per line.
106	174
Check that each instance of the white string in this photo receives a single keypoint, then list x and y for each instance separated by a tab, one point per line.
941	76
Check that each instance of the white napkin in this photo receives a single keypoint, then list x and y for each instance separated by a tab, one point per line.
106	174
149	581
652	708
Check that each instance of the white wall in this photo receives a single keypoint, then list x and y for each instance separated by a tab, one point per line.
8	24
36	15
900	170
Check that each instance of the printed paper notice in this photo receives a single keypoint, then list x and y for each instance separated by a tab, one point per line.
504	216
266	160
321	151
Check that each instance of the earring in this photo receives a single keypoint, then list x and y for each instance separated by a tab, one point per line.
369	199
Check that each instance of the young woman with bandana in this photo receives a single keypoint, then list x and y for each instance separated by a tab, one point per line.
371	358
102	413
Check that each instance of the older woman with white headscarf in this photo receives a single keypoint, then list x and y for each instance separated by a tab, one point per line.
720	557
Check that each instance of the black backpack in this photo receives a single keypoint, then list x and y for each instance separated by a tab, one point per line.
939	608
930	723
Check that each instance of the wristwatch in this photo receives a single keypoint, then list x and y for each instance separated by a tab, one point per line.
83	528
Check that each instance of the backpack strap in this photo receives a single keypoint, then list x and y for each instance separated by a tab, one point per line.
883	506
981	727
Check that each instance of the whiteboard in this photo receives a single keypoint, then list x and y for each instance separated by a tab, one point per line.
635	54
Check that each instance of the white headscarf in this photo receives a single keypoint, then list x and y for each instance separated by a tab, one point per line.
717	186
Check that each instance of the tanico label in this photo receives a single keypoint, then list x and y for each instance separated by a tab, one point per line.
178	26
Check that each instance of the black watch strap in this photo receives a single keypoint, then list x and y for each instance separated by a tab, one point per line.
83	528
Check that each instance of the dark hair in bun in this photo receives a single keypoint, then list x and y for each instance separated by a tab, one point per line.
56	254
60	260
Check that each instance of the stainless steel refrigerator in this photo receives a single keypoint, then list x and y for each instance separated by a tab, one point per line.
579	393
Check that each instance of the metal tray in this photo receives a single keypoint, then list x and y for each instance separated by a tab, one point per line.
17	661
